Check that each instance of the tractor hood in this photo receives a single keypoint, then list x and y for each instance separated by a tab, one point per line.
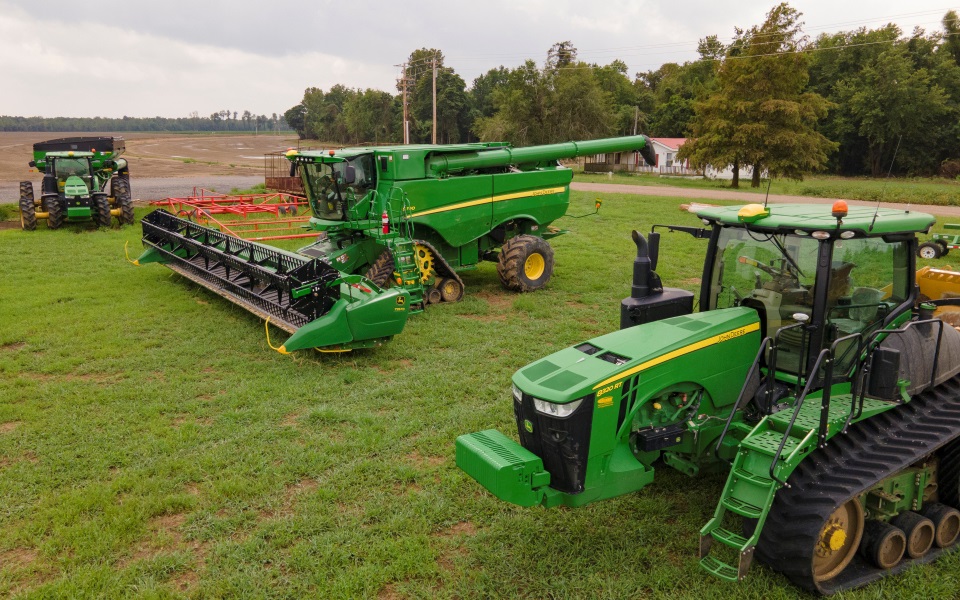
573	373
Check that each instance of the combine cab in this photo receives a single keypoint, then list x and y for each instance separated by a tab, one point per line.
407	218
813	373
84	179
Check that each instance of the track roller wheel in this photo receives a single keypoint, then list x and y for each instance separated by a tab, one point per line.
525	264
101	210
55	212
381	271
919	530
434	296
946	520
929	250
883	544
451	290
28	208
121	194
838	541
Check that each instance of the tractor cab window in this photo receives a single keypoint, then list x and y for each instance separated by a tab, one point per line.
771	273
67	167
868	278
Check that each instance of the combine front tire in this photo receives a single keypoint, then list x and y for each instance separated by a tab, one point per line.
121	193
101	210
55	214
381	271
28	210
526	263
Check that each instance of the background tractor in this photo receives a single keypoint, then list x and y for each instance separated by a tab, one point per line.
76	173
811	373
408	218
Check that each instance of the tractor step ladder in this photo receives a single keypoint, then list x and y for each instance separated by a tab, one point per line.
405	262
749	493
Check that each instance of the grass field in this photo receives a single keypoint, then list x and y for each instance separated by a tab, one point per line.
153	446
919	190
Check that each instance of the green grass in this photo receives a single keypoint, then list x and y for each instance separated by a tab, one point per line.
913	190
152	445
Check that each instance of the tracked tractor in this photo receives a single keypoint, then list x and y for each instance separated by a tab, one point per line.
396	226
84	180
811	373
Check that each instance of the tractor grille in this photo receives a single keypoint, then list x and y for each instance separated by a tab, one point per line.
561	443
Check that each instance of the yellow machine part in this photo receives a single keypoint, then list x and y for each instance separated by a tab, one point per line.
940	283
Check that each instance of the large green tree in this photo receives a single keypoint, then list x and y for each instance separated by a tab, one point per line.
760	114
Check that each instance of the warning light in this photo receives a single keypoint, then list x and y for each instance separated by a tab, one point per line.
839	209
331	153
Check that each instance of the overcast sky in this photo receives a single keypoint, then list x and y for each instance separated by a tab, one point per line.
171	57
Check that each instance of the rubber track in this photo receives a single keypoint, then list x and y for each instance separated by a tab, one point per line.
850	464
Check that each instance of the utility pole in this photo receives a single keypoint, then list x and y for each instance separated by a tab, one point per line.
406	117
434	99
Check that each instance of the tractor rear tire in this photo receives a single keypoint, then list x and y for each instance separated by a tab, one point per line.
101	210
929	250
121	195
526	263
55	214
28	209
381	271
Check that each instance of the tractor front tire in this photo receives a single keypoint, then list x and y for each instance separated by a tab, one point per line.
929	250
28	209
101	210
121	194
381	271
55	213
526	263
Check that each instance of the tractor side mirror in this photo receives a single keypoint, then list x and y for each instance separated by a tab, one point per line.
350	176
293	169
32	163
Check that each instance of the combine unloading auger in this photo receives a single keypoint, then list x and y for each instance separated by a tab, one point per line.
395	225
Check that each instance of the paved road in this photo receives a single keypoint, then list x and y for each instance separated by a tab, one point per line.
707	195
145	189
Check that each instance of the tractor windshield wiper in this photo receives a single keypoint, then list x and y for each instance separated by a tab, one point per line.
786	255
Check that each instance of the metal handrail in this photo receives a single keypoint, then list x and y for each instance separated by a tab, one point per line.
754	368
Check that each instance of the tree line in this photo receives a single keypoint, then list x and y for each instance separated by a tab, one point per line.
857	102
224	120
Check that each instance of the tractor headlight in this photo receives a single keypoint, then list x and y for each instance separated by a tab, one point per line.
517	394
556	410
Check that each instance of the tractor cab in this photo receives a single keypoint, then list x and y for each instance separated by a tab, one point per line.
339	187
811	279
72	173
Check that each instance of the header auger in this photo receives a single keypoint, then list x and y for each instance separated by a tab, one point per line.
76	172
813	372
396	226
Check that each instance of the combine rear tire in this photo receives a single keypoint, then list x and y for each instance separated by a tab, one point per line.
381	271
28	210
101	210
929	250
526	263
55	214
121	194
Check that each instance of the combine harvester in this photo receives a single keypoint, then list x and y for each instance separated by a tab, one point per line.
76	172
812	373
411	217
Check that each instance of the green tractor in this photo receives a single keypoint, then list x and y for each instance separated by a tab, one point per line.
396	225
76	173
812	373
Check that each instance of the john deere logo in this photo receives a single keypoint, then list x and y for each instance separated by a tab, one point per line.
401	299
528	425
